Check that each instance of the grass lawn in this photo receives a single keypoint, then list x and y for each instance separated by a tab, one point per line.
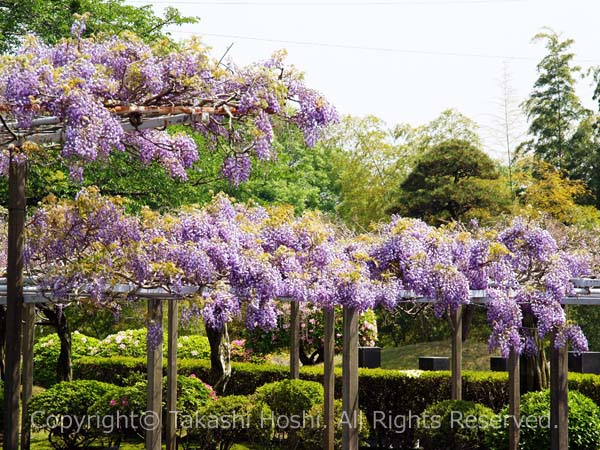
39	441
475	354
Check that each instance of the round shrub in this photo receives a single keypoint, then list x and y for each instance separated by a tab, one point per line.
68	400
131	401
193	347
311	434
47	349
231	419
123	401
584	423
289	401
192	394
290	397
454	425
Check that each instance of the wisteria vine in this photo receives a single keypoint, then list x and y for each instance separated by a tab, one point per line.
84	82
246	258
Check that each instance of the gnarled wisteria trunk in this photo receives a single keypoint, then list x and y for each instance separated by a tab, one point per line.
57	319
220	364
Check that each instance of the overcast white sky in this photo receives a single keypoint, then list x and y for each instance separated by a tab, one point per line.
447	53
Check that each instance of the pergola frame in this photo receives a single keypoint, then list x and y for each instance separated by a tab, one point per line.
50	130
587	292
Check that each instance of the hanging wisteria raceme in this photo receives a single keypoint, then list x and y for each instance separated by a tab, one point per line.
80	244
425	260
542	275
249	257
521	267
244	255
86	83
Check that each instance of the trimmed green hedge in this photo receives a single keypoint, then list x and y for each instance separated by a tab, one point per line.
587	384
584	423
401	392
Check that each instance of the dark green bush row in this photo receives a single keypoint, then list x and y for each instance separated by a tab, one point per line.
379	388
587	384
401	393
91	410
461	425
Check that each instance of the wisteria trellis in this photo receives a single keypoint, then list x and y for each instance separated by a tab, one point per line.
87	84
83	89
87	98
254	256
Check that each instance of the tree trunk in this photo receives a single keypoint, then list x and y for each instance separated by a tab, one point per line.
220	365
316	357
537	370
2	337
64	368
468	314
58	320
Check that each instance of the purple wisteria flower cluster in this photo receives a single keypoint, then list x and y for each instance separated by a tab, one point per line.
247	258
84	82
521	267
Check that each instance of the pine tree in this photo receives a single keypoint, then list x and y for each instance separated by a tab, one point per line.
553	108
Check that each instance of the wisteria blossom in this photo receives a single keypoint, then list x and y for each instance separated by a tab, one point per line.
521	267
245	259
84	82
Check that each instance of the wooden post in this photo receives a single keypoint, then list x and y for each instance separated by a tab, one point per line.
350	419
456	362
153	420
173	327
27	375
295	341
329	379
14	301
559	410
514	400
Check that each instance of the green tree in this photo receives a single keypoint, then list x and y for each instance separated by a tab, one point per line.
453	181
450	124
545	191
51	20
585	162
368	160
553	108
300	176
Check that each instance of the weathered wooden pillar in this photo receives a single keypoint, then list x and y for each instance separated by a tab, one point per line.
559	410
173	329
456	360
27	375
350	418
14	300
514	400
329	379
295	341
153	418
